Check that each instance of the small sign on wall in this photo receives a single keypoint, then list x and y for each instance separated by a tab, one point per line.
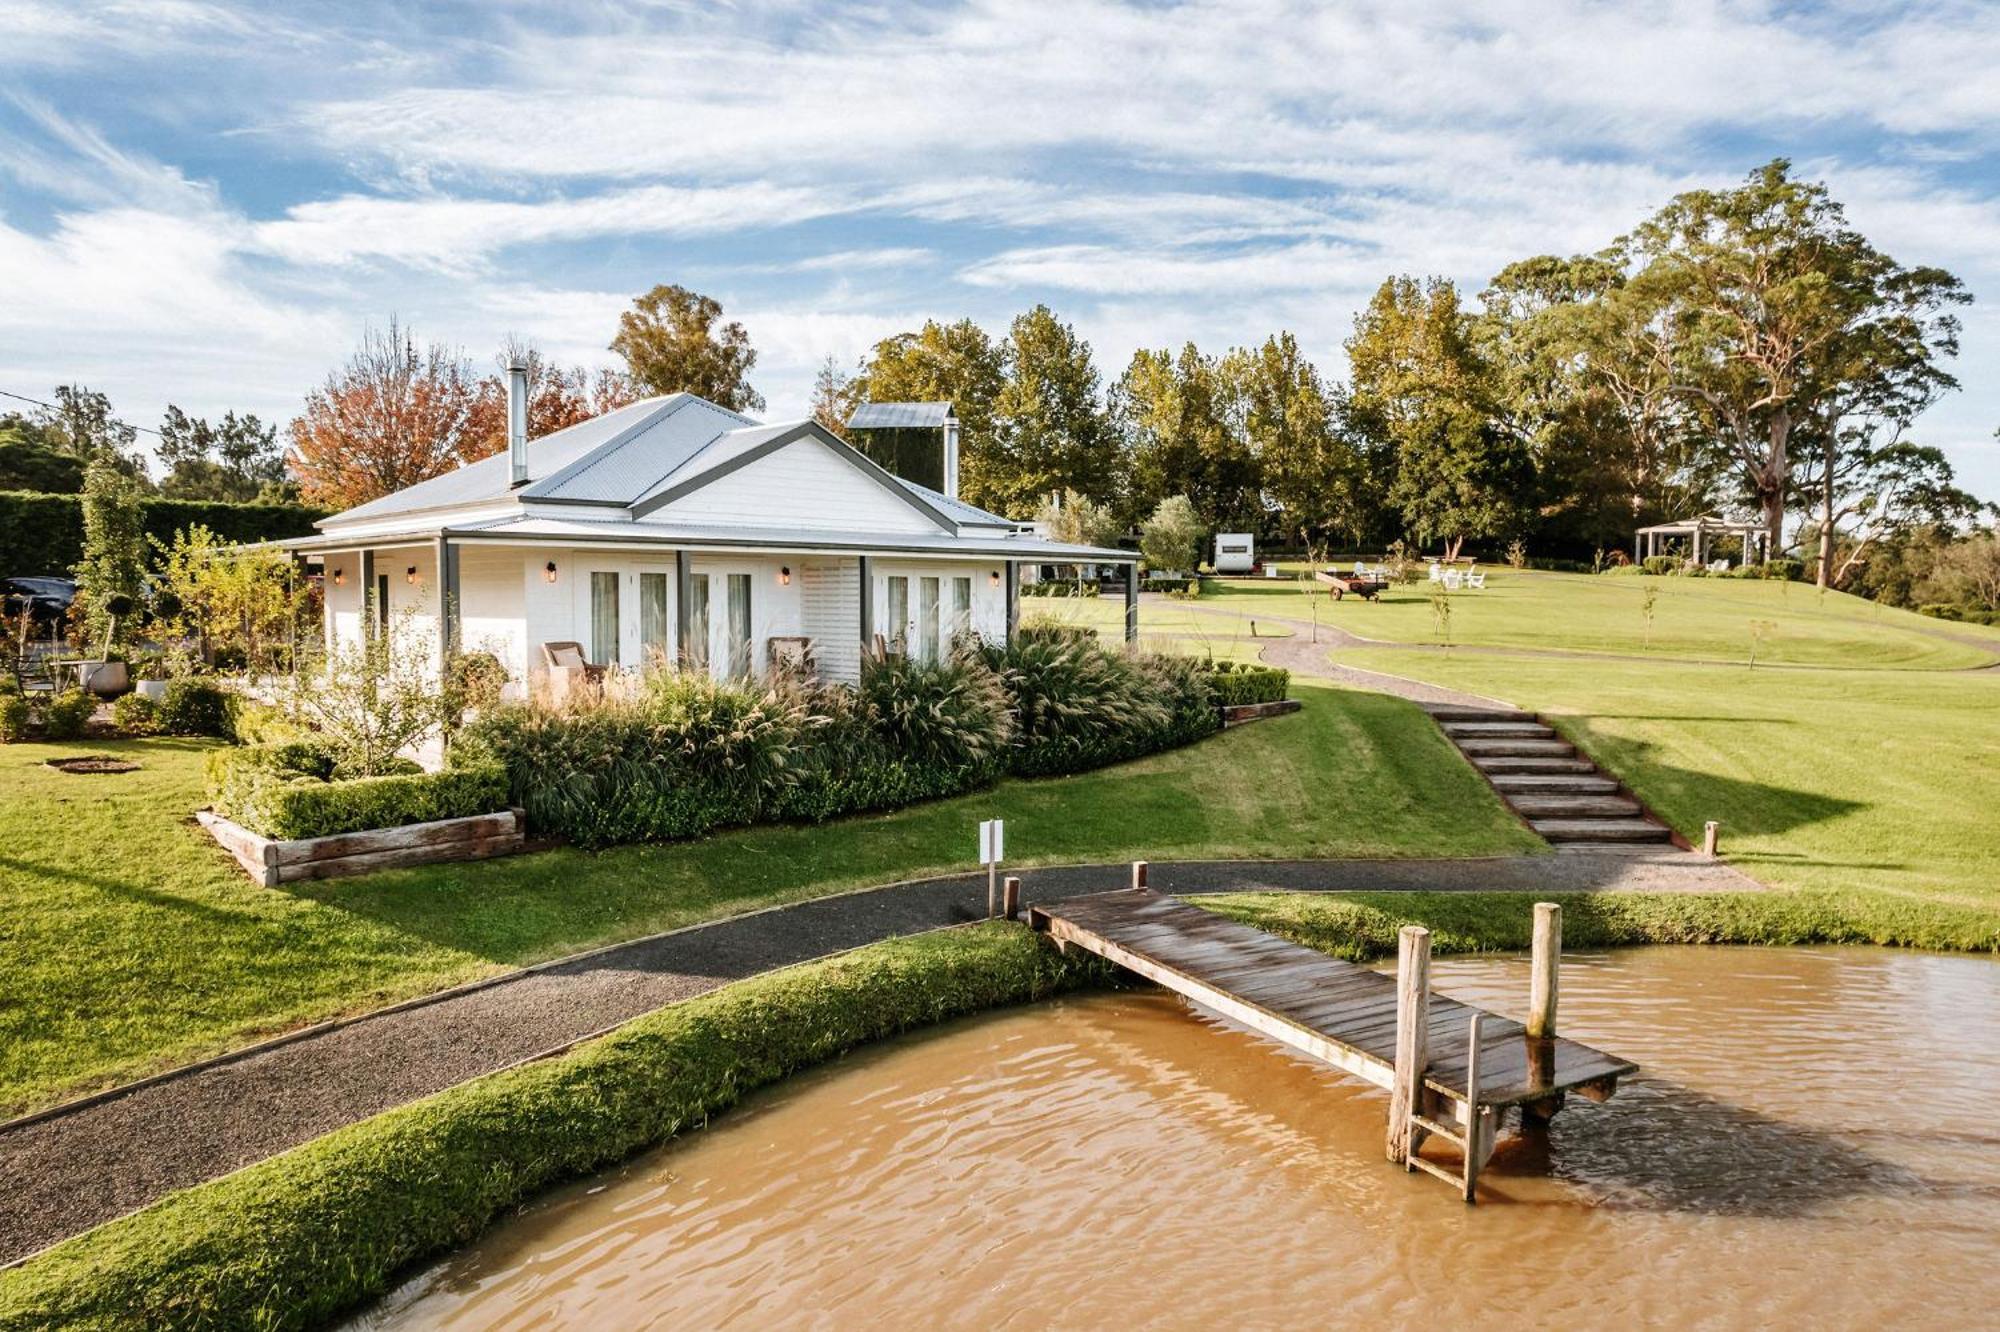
992	841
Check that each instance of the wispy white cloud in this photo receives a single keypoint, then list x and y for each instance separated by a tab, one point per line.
1209	169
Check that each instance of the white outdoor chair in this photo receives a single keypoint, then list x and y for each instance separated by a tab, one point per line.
1475	579
1452	579
1437	572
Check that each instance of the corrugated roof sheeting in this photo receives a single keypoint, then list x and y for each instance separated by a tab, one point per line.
632	466
491	477
899	415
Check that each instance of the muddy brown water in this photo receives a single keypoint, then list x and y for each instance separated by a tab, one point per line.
1814	1141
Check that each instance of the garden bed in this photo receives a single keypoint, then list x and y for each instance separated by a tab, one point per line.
271	862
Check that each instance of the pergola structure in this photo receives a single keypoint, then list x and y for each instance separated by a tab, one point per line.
1701	532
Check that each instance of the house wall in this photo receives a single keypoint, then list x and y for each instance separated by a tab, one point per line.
492	607
802	485
830	614
508	606
343	598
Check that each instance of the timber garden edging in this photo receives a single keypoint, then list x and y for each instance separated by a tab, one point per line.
270	862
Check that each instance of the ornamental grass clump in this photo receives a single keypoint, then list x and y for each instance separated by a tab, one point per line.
1077	705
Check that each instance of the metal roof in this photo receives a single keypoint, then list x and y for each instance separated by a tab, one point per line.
641	458
899	415
959	510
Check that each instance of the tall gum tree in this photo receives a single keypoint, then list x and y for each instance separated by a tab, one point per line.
1781	318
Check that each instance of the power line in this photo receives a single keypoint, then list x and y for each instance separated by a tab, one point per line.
22	397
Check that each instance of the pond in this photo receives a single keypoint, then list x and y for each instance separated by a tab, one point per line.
1814	1139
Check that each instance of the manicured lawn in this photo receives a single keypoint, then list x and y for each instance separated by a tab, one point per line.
1858	780
1693	618
1220	633
132	941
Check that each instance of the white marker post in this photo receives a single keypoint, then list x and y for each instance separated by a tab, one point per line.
992	846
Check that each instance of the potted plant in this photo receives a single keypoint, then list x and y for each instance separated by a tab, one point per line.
106	675
152	673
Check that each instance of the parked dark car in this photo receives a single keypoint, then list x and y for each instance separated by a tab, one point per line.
45	599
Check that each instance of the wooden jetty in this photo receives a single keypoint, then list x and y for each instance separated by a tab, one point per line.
1452	1070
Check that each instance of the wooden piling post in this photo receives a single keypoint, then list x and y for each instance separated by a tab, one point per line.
1413	995
1138	874
1545	962
992	887
1474	1121
1710	833
1010	898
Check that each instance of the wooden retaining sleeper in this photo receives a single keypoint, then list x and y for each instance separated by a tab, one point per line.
271	862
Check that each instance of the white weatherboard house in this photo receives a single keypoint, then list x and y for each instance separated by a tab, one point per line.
676	530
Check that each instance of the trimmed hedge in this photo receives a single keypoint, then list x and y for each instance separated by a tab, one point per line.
283	791
692	755
1237	683
195	706
295	1241
43	534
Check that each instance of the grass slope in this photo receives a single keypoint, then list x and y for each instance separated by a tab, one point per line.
134	942
1850	781
1693	618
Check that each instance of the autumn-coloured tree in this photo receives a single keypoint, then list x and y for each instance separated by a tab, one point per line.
674	341
395	415
558	397
833	396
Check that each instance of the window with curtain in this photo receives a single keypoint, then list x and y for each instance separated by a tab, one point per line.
897	621
603	618
739	625
961	606
927	619
655	631
695	651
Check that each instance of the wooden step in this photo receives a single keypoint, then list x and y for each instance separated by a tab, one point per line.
1510	748
1503	765
1447	712
1552	783
1459	730
1574	806
1599	830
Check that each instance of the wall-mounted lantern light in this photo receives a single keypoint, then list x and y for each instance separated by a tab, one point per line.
994	578
340	578
549	572
784	575
410	575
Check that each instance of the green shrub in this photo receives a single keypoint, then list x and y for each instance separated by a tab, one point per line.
195	706
135	714
13	716
298	1240
64	717
1620	571
283	791
478	678
1235	683
1788	570
1658	565
1059	587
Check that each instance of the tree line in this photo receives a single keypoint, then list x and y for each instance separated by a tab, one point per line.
1742	348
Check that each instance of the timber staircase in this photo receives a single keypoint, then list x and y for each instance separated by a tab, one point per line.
1557	791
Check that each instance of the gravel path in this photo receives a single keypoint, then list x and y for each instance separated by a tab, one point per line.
83	1165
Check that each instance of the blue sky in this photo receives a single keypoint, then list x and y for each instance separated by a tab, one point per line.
206	203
